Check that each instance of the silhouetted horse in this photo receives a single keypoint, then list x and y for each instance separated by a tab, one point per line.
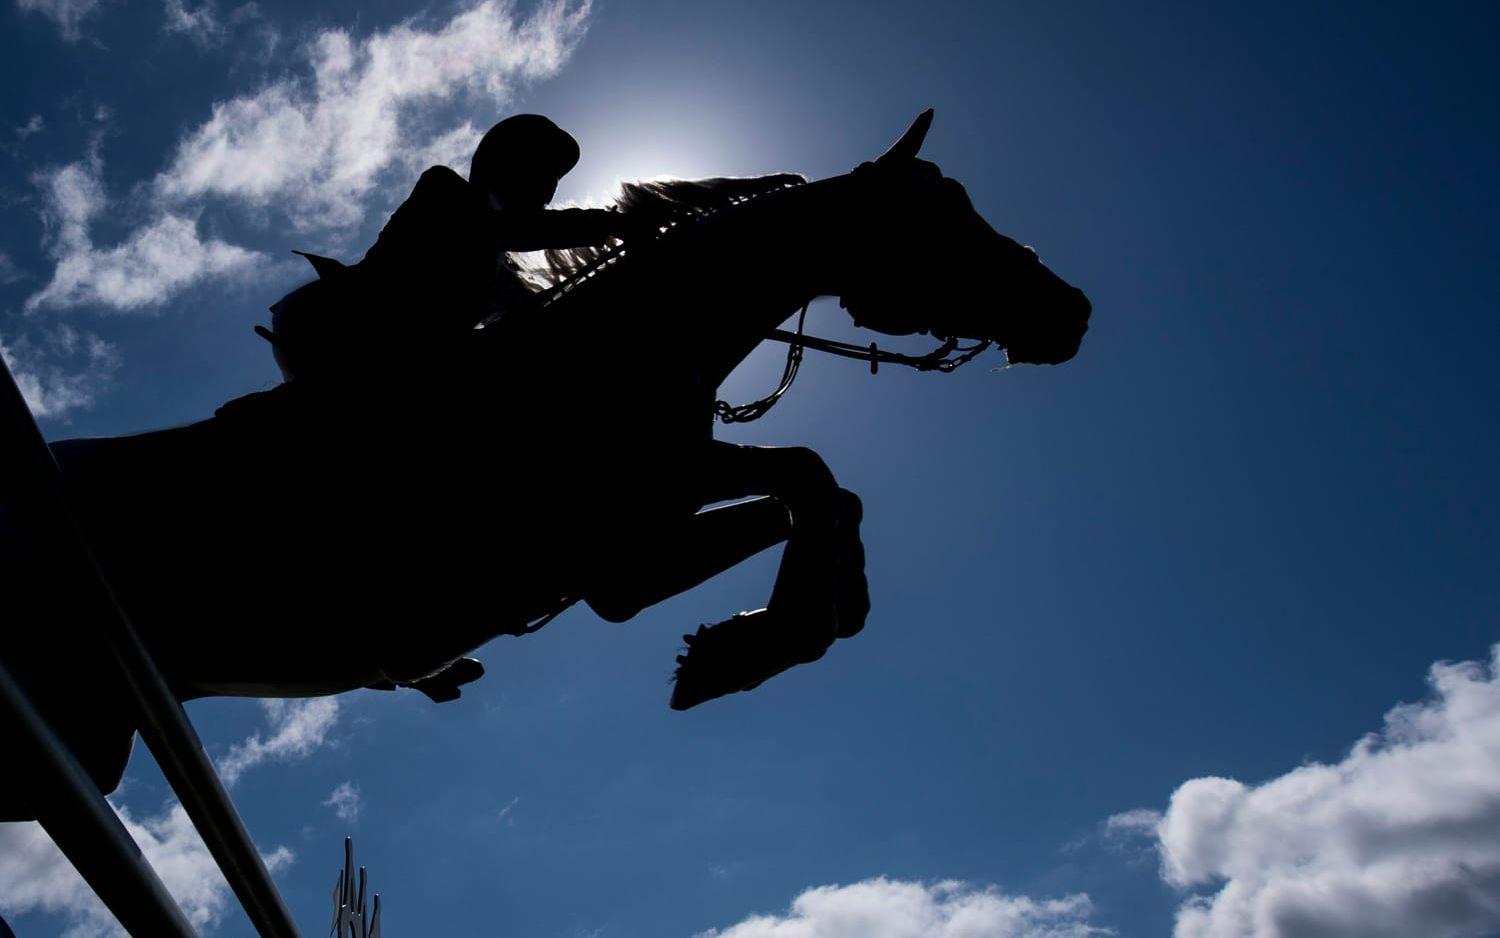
315	539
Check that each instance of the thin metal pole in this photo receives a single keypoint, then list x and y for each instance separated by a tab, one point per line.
78	819
44	512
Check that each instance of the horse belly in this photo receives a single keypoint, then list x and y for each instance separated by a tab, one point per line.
296	583
339	606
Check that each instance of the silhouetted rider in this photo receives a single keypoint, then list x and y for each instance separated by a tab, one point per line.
440	265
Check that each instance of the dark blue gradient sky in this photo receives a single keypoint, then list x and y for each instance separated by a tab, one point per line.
1224	540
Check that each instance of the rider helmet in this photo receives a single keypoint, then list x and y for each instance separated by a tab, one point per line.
520	160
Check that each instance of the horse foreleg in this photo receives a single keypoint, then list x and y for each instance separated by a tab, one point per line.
821	579
820	591
675	560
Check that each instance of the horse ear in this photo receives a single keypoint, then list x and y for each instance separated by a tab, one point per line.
906	148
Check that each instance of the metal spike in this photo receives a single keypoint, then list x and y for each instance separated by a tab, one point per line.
338	903
348	871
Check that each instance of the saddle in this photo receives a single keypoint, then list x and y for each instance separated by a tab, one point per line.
308	322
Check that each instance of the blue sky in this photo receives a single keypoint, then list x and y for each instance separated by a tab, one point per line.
1133	616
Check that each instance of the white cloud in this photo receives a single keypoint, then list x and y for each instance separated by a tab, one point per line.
345	801
315	147
36	877
297	728
60	372
312	147
67	14
158	259
885	908
1400	838
198	23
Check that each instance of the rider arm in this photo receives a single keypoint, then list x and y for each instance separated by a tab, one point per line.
442	210
564	228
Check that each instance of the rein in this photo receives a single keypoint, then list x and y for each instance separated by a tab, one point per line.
941	359
755	410
947	357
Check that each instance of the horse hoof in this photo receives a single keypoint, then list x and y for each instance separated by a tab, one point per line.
740	654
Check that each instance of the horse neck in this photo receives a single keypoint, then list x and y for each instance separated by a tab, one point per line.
760	262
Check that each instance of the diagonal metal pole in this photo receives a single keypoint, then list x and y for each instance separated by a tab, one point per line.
27	466
82	824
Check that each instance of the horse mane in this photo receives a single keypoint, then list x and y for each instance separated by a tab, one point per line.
662	202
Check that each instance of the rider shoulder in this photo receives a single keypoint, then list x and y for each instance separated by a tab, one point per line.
267	407
442	181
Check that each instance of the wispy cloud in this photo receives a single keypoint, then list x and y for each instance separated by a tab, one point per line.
888	908
198	23
315	144
158	259
1399	838
22	133
309	148
345	801
507	814
33	126
67	14
1133	823
60	369
36	877
297	728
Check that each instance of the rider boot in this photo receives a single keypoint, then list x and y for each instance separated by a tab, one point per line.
442	685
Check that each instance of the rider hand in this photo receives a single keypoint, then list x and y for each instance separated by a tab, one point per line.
637	226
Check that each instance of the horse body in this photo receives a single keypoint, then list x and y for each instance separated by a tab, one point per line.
306	542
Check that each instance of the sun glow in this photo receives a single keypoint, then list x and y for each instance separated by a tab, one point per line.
678	134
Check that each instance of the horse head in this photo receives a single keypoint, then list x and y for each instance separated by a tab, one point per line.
932	264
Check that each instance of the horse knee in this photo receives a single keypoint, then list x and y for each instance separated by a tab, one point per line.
808	478
851	509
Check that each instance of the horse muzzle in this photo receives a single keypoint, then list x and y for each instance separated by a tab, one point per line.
1051	337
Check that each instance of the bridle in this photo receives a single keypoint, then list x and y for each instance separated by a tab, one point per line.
948	356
